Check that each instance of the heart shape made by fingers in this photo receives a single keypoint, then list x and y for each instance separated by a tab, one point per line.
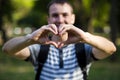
64	39
58	38
48	37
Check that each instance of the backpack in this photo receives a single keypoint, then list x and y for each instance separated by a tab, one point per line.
80	51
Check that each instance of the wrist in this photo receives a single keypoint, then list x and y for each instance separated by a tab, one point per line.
29	39
88	37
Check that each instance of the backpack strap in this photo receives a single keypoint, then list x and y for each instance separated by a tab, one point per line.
42	57
81	57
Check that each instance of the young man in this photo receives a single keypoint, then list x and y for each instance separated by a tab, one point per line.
61	35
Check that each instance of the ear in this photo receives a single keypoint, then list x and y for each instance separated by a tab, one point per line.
73	19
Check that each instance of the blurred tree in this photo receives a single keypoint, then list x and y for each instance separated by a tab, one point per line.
6	9
118	18
10	12
113	20
37	16
114	23
22	8
90	14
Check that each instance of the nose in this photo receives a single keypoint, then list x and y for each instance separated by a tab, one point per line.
60	19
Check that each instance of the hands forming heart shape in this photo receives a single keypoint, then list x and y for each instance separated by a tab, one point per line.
55	39
58	40
47	35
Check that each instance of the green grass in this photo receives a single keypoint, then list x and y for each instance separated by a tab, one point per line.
105	71
13	69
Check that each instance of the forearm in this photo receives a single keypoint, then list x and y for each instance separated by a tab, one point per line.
16	44
100	43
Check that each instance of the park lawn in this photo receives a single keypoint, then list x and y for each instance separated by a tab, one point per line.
102	70
14	69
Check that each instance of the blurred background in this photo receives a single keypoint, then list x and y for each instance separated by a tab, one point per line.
21	17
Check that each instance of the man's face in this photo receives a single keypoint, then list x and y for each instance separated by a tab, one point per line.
60	14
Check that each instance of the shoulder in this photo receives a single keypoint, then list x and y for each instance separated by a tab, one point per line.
34	49
83	46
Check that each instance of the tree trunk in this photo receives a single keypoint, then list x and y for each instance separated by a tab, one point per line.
113	24
4	36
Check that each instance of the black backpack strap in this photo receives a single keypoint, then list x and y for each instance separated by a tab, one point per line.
81	57
42	57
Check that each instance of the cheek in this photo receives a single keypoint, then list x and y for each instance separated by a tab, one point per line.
69	21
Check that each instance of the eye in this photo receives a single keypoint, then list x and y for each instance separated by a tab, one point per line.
65	14
54	15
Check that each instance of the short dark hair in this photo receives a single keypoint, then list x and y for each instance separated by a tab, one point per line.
59	2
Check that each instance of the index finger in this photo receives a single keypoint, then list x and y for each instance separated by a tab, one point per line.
53	28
